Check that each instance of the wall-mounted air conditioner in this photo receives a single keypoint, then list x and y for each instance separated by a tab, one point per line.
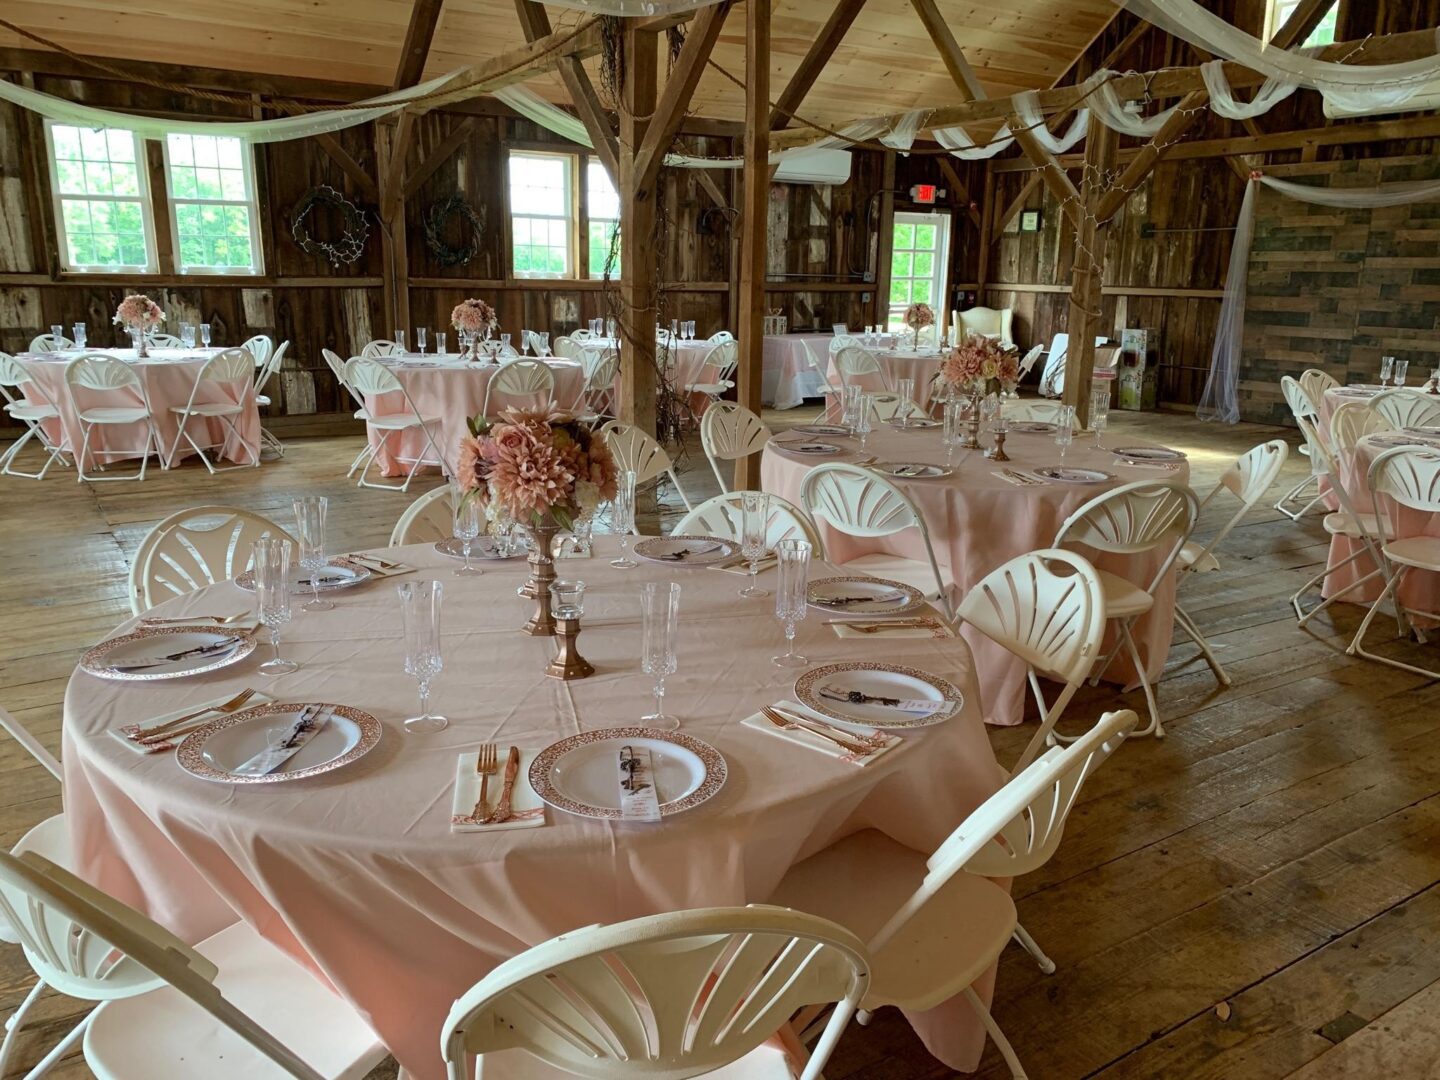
1424	101
813	166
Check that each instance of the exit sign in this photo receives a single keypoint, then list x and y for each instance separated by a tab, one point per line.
923	193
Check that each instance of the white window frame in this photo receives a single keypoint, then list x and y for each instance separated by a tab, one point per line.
571	217
1273	23
58	200
247	157
940	275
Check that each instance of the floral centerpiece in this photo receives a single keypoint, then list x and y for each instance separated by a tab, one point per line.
474	318
139	315
918	317
979	366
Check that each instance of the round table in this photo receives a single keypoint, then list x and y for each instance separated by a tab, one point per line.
1336	396
453	390
357	874
168	376
978	520
897	364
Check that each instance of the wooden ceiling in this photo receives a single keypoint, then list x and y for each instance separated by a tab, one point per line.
885	64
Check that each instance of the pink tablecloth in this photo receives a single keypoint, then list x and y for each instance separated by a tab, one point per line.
358	874
899	364
978	520
789	377
453	393
686	360
1420	591
168	376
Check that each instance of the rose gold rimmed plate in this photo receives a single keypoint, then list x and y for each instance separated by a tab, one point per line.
877	680
140	656
338	573
216	750
867	596
693	550
581	774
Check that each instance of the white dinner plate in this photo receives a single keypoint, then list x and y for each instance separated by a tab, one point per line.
816	449
914	423
821	429
482	547
139	655
1390	440
1425	432
911	470
216	750
336	574
1073	474
1031	427
866	596
686	550
819	688
1149	453
581	774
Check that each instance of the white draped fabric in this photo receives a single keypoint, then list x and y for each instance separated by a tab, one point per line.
1111	111
1223	101
1220	399
957	140
1027	110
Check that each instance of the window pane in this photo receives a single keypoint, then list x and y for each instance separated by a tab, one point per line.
232	185
182	183
924	264
542	209
76	215
601	233
125	180
604	200
97	178
904	236
900	292
900	264
94	144
207	183
67	142
925	237
120	145
920	291
206	153
100	232
72	177
181	150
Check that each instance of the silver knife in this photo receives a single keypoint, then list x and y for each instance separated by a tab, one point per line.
507	793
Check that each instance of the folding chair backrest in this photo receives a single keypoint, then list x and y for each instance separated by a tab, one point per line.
427	519
663	997
1407	408
260	347
522	377
1029	359
1315	382
1019	827
1043	412
188	550
1143	516
636	451
368	376
602	369
157	340
719	336
1352	421
230	366
96	371
47	343
853	361
729	432
858	502
724	358
12	373
1254	471
567	348
379	347
1410	476
724	516
843	341
1295	396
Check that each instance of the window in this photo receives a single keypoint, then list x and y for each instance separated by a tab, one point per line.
212	204
602	208
1281	10
102	204
917	264
542	215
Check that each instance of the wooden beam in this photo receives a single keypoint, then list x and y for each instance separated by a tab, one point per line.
708	185
819	54
987	233
395	261
392	169
700	41
424	17
536	23
885	239
457	138
955	182
518	64
160	206
349	166
1016	204
1086	294
1052	173
959	68
638	311
755	219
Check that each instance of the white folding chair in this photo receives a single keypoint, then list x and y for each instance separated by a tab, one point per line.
935	925
1040	412
1133	519
33	414
595	398
853	363
261	347
1405	478
717	371
156	340
1315	382
687	993
720	336
427	519
263	374
97	374
1026	363
723	516
48	343
233	373
729	432
1046	607
1405	409
337	366
50	838
368	377
1301	406
578	335
190	549
1052	376
1247	480
820	364
233	1007
380	347
1349	423
566	348
530	381
842	341
858	502
637	452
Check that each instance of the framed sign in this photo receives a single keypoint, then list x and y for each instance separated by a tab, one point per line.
1030	221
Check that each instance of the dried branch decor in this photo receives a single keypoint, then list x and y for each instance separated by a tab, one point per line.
354	226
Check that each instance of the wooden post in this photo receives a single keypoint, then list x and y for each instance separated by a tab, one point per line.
1085	288
755	218
637	230
885	240
392	143
987	236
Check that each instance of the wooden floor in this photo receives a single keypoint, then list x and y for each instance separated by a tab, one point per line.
1253	897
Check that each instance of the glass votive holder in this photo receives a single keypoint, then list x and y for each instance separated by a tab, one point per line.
567	599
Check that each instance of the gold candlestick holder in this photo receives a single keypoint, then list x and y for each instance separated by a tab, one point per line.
997	452
542	573
568	663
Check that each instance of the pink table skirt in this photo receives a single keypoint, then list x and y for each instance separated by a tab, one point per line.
357	873
168	377
686	365
452	393
789	376
977	521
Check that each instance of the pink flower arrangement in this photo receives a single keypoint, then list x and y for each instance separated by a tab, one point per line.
529	465
919	316
138	312
473	316
979	365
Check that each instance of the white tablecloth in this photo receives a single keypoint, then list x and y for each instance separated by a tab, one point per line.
789	377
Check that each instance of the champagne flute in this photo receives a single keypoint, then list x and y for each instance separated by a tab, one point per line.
1401	367
660	609
954	431
1064	429
79	335
310	529
905	391
1387	364
420	615
58	333
542	344
1099	412
792	595
205	334
400	341
864	419
465	520
270	562
421	333
622	518
754	519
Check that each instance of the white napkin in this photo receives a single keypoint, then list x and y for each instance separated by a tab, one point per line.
639	801
883	743
940	630
285	741
121	734
366	562
529	809
1016	480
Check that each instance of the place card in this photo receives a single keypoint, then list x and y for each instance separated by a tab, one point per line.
639	800
285	742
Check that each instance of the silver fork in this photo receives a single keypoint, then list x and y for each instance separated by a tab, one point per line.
487	764
166	732
219	620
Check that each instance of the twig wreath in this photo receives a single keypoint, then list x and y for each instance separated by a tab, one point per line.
354	226
437	221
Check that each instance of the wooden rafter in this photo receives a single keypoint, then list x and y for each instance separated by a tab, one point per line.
819	54
517	65
700	41
424	17
348	165
955	63
457	138
536	25
953	177
1016	204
